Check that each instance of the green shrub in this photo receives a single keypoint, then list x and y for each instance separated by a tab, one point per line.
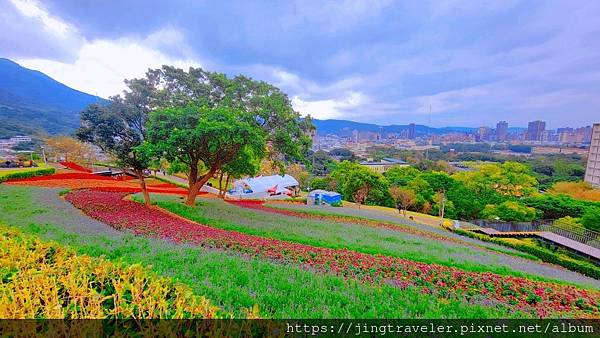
544	254
591	219
509	211
19	174
336	204
298	199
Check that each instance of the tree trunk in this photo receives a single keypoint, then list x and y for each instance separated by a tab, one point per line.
226	185
221	185
197	185
140	174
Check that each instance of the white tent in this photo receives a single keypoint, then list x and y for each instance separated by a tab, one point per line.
262	186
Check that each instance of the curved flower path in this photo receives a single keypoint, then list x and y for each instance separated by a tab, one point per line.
87	180
541	299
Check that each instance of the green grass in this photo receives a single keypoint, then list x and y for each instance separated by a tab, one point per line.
230	281
340	213
361	238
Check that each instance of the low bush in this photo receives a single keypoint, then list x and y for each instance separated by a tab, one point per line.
297	199
24	173
544	254
44	280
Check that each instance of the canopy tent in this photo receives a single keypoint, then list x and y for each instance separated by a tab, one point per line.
263	186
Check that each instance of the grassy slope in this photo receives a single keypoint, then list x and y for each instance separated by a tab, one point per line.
329	212
231	281
360	238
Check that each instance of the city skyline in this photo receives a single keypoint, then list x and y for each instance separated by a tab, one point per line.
492	126
383	62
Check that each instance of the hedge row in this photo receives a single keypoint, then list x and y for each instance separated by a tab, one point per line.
544	254
44	280
19	174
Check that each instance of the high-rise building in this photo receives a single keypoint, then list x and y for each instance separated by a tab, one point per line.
501	131
579	135
483	134
411	131
583	134
592	171
535	130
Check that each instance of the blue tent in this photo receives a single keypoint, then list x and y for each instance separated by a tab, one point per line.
328	197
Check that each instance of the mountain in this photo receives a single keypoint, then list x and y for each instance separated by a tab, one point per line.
344	127
33	103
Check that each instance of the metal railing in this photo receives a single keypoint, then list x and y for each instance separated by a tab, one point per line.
508	226
578	234
585	236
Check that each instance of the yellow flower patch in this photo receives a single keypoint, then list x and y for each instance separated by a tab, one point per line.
44	280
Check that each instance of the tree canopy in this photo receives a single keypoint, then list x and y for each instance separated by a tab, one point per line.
205	140
287	133
119	128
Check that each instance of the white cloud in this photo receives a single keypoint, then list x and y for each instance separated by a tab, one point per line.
33	9
100	66
330	108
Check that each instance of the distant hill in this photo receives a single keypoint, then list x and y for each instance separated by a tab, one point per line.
342	127
33	103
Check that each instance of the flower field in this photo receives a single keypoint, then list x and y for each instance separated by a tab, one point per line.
538	299
44	280
87	180
259	205
231	280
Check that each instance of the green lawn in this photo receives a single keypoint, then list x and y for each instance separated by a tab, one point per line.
229	280
337	235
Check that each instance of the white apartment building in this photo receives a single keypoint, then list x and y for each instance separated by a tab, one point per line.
592	171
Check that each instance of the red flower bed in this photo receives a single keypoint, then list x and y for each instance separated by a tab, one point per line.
75	166
537	298
126	184
73	176
170	189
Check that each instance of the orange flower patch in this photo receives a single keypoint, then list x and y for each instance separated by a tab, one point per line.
126	184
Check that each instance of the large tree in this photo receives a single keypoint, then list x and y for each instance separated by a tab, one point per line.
510	179
118	129
205	140
288	135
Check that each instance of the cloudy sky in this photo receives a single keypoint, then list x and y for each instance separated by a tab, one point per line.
470	63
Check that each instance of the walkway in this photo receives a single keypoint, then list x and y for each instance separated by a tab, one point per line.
184	182
549	236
